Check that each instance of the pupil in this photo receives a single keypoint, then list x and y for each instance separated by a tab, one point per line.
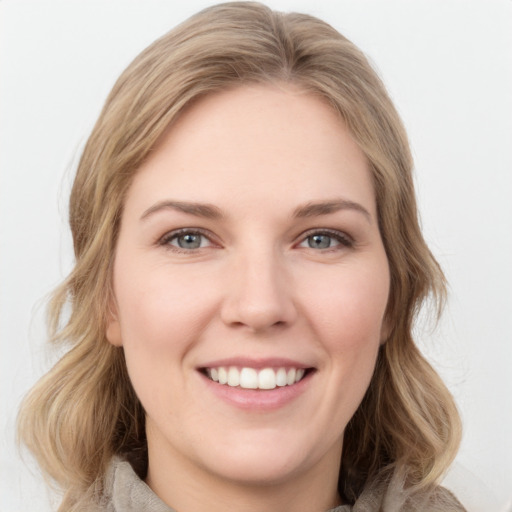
189	241
319	241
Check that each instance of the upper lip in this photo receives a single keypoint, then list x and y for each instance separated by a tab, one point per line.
256	363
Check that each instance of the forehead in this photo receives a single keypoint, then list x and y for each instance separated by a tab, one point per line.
256	143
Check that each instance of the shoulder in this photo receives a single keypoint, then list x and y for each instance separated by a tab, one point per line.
124	491
129	493
390	496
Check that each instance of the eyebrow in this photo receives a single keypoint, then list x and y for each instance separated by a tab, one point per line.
208	211
315	209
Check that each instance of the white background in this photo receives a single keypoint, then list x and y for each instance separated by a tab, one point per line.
448	66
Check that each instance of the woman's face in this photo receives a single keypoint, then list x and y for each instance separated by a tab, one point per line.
250	286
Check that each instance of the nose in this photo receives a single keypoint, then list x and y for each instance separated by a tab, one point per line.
260	293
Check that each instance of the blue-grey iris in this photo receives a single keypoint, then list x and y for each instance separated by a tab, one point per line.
319	241
189	241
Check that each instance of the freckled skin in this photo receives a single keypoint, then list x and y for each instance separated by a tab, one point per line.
255	287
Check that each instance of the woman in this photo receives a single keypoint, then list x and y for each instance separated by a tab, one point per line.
248	268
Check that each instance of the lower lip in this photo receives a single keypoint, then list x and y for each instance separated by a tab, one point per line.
258	399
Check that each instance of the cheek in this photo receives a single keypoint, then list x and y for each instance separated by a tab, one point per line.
159	322
163	314
158	307
348	321
350	311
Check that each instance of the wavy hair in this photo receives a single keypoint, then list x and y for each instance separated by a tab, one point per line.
85	410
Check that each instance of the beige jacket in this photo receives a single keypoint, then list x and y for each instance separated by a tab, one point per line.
125	492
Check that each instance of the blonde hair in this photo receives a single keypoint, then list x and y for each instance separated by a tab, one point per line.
85	410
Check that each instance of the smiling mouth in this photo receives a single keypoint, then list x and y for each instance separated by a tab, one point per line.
252	378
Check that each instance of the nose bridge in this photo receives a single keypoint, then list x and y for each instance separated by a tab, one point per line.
260	292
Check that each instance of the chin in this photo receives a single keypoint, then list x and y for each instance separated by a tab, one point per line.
259	470
263	460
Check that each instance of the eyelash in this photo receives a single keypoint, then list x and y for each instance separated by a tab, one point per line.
165	241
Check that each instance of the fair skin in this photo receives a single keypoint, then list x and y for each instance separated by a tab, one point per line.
249	250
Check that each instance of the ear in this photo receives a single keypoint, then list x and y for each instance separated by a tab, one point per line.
385	329
113	329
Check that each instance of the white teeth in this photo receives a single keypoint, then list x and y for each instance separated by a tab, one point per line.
267	379
233	377
250	378
281	377
223	376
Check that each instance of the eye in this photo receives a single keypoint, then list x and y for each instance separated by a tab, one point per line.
185	240
326	240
